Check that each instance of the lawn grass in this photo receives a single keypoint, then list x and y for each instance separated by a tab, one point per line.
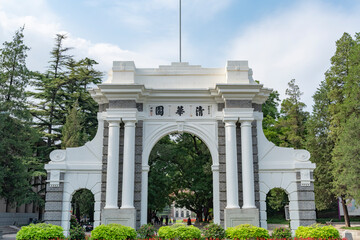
277	220
351	228
325	220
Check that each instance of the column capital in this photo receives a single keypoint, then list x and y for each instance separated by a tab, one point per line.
113	120
230	123
129	123
215	167
246	122
145	168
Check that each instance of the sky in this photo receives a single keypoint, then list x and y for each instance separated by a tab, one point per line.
281	39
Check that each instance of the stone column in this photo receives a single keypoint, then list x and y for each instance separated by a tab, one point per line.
247	165
128	166
216	193
112	176
144	194
232	188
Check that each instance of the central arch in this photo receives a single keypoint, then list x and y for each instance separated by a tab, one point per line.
207	135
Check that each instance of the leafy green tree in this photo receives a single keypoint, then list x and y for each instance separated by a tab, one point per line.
180	172
320	146
271	116
276	199
194	182
293	118
83	204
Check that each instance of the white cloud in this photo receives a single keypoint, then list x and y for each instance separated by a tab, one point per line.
296	43
41	26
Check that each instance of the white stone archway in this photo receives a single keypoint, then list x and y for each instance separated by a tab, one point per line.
222	106
209	136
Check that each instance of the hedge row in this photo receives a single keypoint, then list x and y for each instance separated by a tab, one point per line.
114	231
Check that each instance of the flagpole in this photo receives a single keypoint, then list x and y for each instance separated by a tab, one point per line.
180	31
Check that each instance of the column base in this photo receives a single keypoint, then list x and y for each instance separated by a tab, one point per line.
237	216
126	217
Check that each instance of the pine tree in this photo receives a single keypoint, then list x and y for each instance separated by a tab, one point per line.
73	132
18	166
336	77
59	88
48	108
14	75
344	79
82	74
320	146
293	118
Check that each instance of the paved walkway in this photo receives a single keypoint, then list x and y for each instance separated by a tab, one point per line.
9	232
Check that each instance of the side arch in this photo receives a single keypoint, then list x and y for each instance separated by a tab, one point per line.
73	182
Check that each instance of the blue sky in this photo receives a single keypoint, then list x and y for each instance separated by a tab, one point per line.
280	39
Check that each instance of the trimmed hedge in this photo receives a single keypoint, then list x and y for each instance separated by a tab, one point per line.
246	231
113	231
40	231
317	232
180	232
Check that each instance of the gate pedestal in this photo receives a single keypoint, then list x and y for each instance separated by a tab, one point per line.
237	216
126	217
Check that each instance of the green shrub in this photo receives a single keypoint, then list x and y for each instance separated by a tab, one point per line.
40	231
77	233
317	232
181	232
113	231
281	232
246	231
167	232
146	231
176	225
213	231
188	232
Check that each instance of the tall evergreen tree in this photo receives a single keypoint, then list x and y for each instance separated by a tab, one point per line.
82	74
293	118
344	79
320	146
336	78
18	166
14	75
59	88
73	132
48	107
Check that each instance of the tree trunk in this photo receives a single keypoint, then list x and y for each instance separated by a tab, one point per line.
199	216
346	213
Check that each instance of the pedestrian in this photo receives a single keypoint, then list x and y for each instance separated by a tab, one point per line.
161	221
189	221
166	220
